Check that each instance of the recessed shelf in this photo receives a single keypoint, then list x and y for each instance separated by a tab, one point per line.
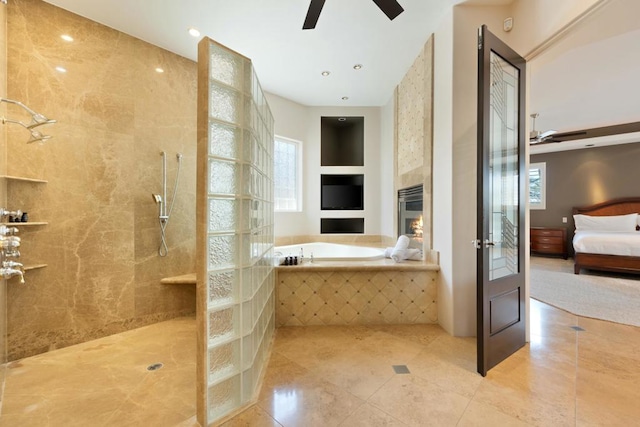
20	178
20	224
34	267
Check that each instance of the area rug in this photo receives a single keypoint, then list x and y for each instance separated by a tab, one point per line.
615	298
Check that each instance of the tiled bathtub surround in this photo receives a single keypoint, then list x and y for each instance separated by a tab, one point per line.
355	296
115	114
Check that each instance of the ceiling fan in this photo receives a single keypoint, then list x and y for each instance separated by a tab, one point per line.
391	8
535	136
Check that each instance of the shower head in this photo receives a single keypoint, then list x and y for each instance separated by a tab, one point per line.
37	119
157	198
37	136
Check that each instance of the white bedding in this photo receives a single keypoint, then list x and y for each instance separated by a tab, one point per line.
607	243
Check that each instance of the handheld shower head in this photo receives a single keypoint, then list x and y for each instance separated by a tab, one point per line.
157	198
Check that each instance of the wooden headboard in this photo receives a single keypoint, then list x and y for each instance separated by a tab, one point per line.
622	206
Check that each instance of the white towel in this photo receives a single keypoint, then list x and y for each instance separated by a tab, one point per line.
412	254
387	252
401	245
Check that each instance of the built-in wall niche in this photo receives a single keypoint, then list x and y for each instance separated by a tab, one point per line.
342	192
341	225
342	141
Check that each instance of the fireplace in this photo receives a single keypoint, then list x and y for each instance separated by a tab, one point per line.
410	211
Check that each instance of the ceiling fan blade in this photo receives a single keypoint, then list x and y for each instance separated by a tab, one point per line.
391	8
315	7
547	134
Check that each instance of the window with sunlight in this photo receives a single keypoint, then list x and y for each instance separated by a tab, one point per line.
287	159
537	186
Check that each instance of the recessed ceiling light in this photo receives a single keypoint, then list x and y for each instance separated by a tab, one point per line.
326	73
342	119
357	66
344	98
193	32
159	70
66	37
61	69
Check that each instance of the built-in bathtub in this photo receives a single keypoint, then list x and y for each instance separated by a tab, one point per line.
331	252
350	284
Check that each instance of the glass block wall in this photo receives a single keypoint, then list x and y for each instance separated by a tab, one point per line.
235	231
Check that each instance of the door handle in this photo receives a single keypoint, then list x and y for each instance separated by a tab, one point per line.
477	243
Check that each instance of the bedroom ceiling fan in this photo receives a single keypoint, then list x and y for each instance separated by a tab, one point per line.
391	8
535	136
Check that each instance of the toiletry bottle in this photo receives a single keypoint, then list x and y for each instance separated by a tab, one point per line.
295	260
311	259
301	259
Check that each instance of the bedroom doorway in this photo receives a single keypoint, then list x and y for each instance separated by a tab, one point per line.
501	201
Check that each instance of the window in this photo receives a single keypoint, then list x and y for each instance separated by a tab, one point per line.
287	175
537	185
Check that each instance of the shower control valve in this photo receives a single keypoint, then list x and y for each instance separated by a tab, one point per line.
11	253
10	244
4	212
7	273
8	231
13	264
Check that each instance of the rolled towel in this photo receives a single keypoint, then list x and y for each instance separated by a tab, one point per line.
401	245
387	252
413	254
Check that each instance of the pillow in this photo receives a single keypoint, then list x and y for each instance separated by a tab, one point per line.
606	223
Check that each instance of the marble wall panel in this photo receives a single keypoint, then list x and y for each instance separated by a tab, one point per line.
115	115
414	133
410	126
3	194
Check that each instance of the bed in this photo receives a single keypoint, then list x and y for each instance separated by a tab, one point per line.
609	249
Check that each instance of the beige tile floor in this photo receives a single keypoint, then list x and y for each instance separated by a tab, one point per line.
105	382
342	376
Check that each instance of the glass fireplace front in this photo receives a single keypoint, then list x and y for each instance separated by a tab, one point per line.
410	211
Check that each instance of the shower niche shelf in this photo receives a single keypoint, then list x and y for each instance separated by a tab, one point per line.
22	224
34	267
23	179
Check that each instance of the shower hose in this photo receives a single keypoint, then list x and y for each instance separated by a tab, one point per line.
163	250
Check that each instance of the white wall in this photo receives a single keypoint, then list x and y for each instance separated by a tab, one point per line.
302	123
291	120
583	81
455	121
443	166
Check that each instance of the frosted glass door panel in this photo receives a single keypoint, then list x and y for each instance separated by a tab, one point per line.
503	225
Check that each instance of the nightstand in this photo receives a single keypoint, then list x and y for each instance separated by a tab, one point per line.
549	241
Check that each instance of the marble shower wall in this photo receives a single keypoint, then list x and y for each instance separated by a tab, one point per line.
3	192
414	132
115	114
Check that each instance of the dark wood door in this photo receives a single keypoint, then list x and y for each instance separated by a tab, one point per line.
501	201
